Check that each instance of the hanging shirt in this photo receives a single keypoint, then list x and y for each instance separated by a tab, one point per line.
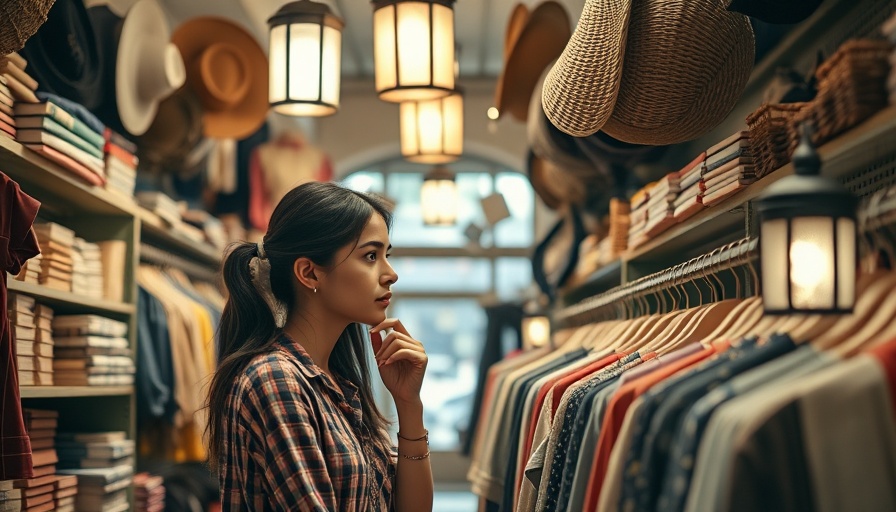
293	440
17	245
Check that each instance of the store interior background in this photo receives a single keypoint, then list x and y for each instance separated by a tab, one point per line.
443	281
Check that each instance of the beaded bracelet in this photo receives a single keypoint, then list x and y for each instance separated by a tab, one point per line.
416	457
425	437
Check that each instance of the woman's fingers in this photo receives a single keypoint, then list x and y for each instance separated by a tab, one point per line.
391	323
394	335
396	346
407	354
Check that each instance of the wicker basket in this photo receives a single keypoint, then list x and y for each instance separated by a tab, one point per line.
770	135
19	20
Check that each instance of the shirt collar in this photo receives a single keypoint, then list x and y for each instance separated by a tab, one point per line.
344	392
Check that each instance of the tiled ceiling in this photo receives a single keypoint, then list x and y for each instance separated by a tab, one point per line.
480	26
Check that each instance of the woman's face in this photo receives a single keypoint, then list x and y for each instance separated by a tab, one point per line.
357	287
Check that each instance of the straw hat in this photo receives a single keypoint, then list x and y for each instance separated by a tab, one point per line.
228	71
64	57
531	42
21	19
144	65
650	72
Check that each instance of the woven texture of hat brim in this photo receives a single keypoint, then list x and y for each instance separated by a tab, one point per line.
686	64
21	19
539	43
581	88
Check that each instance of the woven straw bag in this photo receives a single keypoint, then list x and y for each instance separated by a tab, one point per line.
19	20
650	72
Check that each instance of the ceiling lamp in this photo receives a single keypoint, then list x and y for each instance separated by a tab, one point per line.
438	197
807	240
305	59
432	131
413	48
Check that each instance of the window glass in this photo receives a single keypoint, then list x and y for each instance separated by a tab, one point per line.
452	330
515	231
440	275
512	276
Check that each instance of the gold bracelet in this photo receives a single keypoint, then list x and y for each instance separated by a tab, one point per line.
425	437
416	457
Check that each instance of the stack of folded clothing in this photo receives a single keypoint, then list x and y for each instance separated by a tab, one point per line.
39	492
56	246
728	168
121	164
14	65
620	220
91	351
30	272
162	205
149	491
889	31
51	130
101	489
660	208
74	452
87	269
34	354
66	490
19	84
689	201
41	428
638	216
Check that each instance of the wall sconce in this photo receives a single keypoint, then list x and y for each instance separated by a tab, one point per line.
432	131
807	240
305	59
536	331
438	197
413	48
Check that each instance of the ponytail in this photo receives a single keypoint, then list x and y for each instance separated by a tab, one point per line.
246	329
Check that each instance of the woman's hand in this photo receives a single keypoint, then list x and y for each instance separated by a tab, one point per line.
401	360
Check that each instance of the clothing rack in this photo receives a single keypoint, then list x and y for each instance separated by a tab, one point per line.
728	257
155	256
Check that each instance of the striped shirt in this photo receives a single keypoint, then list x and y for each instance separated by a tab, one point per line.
294	440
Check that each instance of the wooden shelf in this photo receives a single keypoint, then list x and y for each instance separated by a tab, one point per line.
73	391
51	184
68	300
848	152
157	232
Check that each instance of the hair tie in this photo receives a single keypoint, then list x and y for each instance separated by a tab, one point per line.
260	270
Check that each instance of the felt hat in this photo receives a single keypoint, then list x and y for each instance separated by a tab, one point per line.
144	66
21	19
531	42
228	71
64	57
651	72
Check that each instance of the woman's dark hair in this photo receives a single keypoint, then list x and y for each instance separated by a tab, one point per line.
314	220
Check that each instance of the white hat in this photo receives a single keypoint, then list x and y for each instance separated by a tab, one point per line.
148	67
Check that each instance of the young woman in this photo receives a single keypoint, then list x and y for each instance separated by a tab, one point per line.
292	420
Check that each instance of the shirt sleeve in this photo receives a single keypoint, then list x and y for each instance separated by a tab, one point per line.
21	210
287	447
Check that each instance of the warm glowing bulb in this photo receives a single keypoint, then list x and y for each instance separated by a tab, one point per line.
809	265
493	113
537	331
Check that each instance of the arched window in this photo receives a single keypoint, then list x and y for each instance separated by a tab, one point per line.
444	280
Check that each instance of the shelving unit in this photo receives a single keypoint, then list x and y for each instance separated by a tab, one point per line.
861	158
94	214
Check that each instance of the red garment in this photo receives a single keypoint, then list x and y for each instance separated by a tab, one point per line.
17	244
614	415
886	355
557	386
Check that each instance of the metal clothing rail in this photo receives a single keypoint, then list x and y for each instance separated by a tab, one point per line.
727	257
155	256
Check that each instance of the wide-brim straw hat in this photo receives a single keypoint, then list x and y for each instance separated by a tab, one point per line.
650	72
21	19
228	71
531	42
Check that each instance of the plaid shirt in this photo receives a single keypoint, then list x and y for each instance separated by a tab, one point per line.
293	441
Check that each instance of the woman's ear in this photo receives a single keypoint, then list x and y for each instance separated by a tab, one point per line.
306	272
